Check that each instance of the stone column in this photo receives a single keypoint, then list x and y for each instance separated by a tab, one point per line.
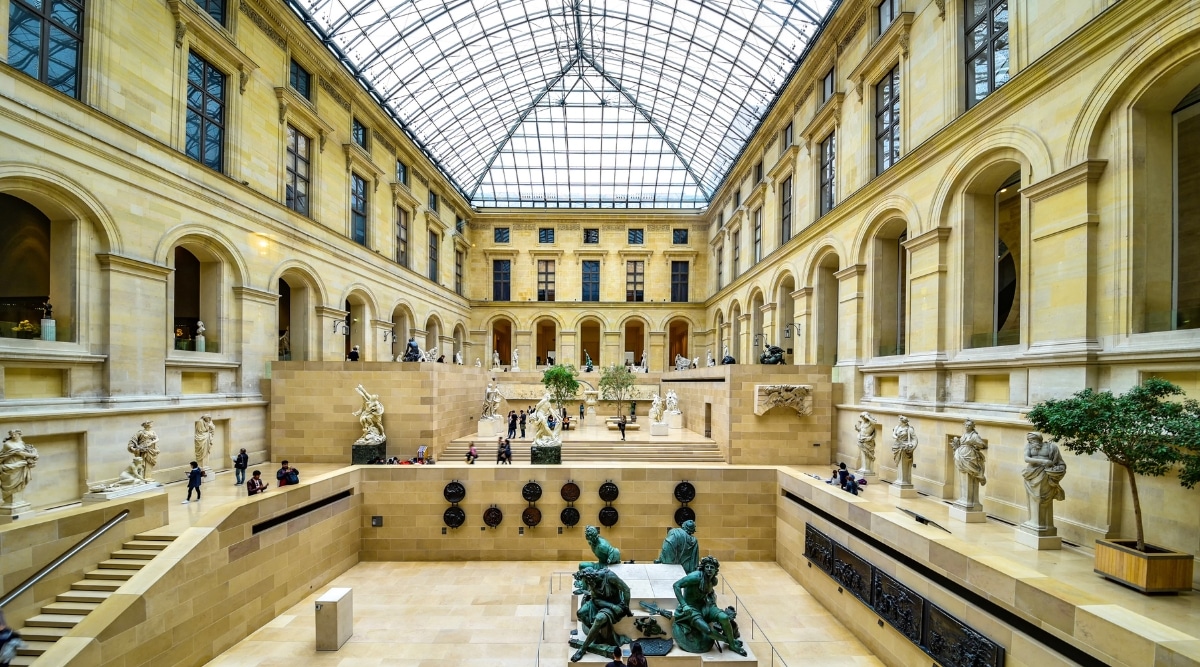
138	288
330	342
654	354
802	313
258	341
741	346
770	336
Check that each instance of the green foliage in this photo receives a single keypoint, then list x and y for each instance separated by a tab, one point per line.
616	384
560	381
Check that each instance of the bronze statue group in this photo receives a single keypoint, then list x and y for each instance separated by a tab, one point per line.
698	623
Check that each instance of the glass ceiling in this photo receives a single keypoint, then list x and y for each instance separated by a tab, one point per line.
573	103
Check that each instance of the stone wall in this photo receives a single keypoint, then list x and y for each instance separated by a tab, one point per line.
312	406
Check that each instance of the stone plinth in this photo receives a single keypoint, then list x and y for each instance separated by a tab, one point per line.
967	514
1041	539
659	428
367	452
489	428
334	618
14	511
200	344
675	420
902	490
121	492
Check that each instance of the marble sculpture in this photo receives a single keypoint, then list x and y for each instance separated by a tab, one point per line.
144	444
203	438
904	443
17	461
1043	473
865	428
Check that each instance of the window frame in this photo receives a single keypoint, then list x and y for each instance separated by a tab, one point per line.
635	281
402	173
886	13
756	252
785	210
292	177
546	235
675	236
735	257
827	86
402	236
988	47
640	233
306	93
827	166
589	280
720	267
47	23
680	280
502	280
459	258
432	202
221	6
506	232
359	134
787	137
223	124
595	231
545	279
434	255
359	197
885	107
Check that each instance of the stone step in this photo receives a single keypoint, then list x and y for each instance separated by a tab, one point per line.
43	634
55	620
23	660
135	554
122	564
114	574
108	585
70	608
83	596
34	647
154	537
153	545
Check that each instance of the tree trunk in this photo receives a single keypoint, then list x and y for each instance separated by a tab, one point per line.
1137	509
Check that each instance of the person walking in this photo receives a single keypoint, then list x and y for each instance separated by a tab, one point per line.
240	462
499	450
194	476
10	643
522	422
581	413
621	426
256	486
472	454
507	452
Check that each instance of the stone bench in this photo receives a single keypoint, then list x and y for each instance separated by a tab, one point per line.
632	426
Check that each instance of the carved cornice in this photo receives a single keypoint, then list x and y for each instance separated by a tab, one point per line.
891	46
434	222
326	85
500	253
785	165
211	38
851	31
263	24
403	196
827	118
133	267
300	112
689	255
935	235
252	294
1088	172
757	196
635	254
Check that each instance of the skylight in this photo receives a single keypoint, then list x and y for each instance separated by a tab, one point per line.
576	104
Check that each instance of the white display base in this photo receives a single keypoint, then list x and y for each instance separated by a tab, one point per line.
121	492
1034	539
200	343
334	618
675	420
863	472
48	330
18	510
967	515
489	428
660	428
902	490
592	420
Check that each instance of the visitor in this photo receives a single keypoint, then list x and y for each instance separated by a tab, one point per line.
621	426
287	475
566	423
353	356
849	484
256	486
194	476
240	462
472	454
522	422
512	424
441	359
10	643
581	412
499	450
538	361
616	661
507	452
838	475
637	658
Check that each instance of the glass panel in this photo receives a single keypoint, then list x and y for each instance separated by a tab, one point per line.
24	40
67	14
679	236
978	88
192	142
977	37
1000	18
63	65
545	235
1001	58
591	236
976	8
636	236
500	234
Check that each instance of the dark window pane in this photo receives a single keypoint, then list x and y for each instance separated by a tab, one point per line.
679	282
66	14
24	40
358	132
591	236
301	80
62	68
679	236
501	235
545	235
215	9
591	280
501	274
636	237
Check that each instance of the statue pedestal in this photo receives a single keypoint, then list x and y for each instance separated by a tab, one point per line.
1041	539
48	330
675	420
120	492
660	428
863	472
199	340
16	510
967	513
902	490
489	428
545	455
363	452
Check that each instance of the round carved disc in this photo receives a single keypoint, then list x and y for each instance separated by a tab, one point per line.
492	516
570	492
454	517
608	516
531	492
531	516
684	514
569	516
609	492
454	492
685	492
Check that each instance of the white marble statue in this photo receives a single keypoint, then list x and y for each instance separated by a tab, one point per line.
370	417
144	444
904	442
491	403
132	475
865	428
645	366
431	355
971	463
696	362
17	461
682	363
1043	473
672	402
478	363
543	435
203	438
200	328
656	409
711	361
495	359
458	358
516	366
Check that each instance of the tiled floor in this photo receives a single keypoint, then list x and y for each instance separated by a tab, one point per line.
491	614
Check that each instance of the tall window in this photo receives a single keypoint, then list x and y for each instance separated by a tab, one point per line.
545	288
679	282
458	272
785	138
591	236
45	41
591	280
679	236
401	173
637	236
546	235
720	267
433	256
205	113
215	9
300	81
401	237
785	210
635	280
737	198
827	86
358	132
501	235
887	12
828	168
358	209
758	172
757	236
296	195
987	48
736	257
1185	246
433	202
992	239
501	277
887	120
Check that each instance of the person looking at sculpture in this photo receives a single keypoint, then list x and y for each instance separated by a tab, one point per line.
256	486
616	661
512	423
637	657
240	462
287	475
194	476
521	421
353	355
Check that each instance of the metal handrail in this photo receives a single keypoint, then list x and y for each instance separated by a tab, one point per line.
40	574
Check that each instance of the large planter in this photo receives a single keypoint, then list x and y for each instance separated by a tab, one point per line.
1157	570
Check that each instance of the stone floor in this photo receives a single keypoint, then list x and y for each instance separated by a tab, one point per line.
220	489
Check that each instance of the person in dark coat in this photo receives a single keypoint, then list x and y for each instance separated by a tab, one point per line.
240	462
256	486
194	476
521	421
621	426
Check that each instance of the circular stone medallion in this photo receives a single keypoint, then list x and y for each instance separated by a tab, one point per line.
684	514
609	492
531	516
454	517
685	492
454	492
531	492
492	516
569	516
570	492
608	516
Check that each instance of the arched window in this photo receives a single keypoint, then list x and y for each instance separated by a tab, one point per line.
992	222
198	290
1185	246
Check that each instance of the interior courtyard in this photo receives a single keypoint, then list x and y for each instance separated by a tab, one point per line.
228	221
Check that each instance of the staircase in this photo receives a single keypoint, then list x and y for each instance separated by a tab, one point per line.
70	608
594	451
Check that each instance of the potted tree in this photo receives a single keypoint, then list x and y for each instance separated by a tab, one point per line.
616	385
1144	432
561	383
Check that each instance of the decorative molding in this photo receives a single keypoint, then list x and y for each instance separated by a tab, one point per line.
635	254
252	294
262	23
434	223
657	228
333	92
892	46
133	267
852	271
1066	179
300	112
941	5
423	181
356	156
403	196
689	255
569	226
391	148
827	119
500	253
522	227
931	237
212	39
795	396
851	31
